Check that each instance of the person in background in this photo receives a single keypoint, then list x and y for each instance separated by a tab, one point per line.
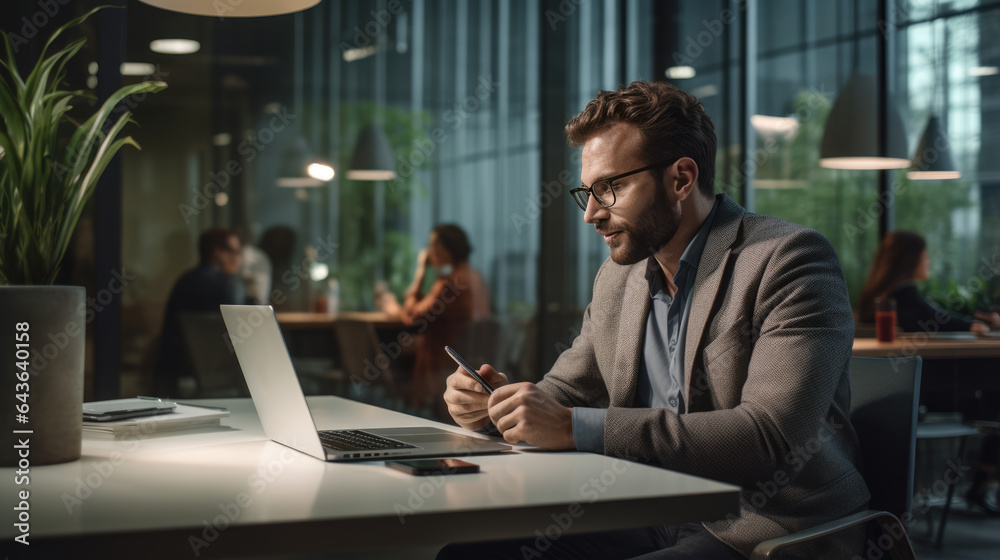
201	290
458	297
900	260
256	274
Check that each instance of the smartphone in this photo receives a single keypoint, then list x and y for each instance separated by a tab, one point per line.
465	365
429	467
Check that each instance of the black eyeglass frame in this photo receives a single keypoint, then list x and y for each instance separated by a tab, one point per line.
582	203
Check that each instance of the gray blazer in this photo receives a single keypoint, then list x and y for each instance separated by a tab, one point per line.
765	371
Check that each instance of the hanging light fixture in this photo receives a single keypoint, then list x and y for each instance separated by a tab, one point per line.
234	8
372	159
851	139
300	168
932	159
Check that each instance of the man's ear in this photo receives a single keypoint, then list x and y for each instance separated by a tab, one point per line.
686	175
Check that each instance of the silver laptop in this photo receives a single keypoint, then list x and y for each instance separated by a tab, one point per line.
285	414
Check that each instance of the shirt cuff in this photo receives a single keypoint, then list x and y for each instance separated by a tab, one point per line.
588	429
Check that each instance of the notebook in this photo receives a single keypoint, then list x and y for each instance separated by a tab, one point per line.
284	412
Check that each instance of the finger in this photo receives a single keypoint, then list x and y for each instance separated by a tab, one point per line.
504	403
466	399
492	376
461	380
508	421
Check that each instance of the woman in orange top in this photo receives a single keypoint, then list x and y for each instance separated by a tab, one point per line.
458	297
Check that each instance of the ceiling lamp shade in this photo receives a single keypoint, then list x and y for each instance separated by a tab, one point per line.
851	140
299	168
372	159
932	160
234	8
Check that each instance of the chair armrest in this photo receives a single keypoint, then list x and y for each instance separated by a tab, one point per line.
890	525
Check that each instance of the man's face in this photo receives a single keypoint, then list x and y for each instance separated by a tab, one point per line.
230	258
643	217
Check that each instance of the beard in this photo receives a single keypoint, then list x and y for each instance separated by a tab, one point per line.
653	229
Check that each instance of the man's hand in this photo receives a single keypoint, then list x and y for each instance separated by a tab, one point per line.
523	412
467	399
991	318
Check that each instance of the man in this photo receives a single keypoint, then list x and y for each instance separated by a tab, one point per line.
200	290
717	341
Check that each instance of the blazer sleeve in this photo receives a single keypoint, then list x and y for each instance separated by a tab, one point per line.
785	371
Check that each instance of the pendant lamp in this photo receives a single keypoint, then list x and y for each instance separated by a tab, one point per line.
372	159
851	140
233	8
932	159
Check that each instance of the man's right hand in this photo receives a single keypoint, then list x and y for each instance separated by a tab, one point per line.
467	399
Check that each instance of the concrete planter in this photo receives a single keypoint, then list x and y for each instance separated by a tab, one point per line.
53	319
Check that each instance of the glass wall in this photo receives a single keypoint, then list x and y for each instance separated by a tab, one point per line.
807	51
457	87
947	66
473	95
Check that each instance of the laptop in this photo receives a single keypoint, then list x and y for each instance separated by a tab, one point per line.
285	416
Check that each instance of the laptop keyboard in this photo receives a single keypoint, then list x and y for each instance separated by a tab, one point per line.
356	440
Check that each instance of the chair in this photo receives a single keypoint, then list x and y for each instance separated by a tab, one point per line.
216	368
366	367
944	426
884	401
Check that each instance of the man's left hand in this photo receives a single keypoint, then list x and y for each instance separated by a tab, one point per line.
523	412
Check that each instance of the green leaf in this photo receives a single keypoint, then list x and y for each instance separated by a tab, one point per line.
45	181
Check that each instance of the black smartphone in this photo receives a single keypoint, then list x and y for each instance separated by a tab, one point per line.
465	365
429	467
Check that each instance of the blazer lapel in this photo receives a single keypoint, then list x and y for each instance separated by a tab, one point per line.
631	333
708	281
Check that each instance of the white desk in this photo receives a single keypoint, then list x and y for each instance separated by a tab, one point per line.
158	494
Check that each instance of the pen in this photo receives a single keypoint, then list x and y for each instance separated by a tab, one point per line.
158	399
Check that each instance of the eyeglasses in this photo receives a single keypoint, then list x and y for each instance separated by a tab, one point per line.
603	191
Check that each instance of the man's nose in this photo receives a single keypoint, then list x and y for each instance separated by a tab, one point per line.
595	212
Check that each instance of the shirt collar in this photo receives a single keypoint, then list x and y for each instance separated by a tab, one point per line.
689	258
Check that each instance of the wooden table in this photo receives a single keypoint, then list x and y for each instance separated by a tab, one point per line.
296	320
927	349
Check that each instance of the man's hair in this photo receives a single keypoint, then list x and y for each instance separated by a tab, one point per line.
212	239
453	239
673	124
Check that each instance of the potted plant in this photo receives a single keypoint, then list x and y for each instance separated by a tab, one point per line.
49	168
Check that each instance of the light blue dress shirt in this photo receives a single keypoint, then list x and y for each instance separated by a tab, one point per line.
661	370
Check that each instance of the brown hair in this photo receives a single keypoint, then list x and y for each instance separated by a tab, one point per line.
212	239
453	239
673	124
895	264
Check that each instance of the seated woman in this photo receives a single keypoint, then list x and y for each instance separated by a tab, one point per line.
458	297
902	258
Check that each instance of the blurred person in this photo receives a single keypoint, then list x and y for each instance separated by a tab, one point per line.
901	259
278	243
256	274
716	343
458	297
213	282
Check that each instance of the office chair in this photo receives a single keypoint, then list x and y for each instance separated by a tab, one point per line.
216	370
367	375
884	401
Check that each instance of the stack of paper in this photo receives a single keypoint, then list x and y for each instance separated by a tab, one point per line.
183	418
